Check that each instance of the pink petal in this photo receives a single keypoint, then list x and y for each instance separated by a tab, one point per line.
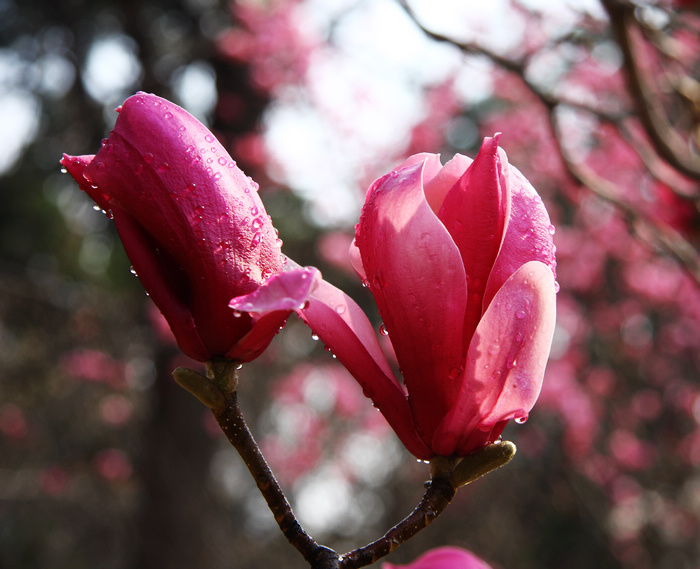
475	212
443	558
436	186
416	276
261	334
506	359
288	290
160	285
528	235
343	327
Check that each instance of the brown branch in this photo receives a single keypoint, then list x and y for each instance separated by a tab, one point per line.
436	498
667	142
233	425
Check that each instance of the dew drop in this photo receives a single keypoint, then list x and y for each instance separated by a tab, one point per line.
237	313
552	230
64	171
189	149
314	337
257	238
383	331
222	161
254	210
455	372
168	115
216	176
132	271
520	314
148	158
209	138
340	309
556	287
521	420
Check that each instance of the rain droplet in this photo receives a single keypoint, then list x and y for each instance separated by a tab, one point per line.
237	313
521	420
189	149
340	309
520	314
222	161
133	271
314	337
257	238
168	115
148	158
383	331
209	138
216	176
254	210
552	230
556	287
64	171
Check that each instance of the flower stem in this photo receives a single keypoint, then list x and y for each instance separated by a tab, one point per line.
233	425
438	495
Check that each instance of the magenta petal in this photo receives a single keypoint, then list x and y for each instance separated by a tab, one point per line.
254	342
288	290
506	358
151	271
475	212
443	558
436	186
343	327
415	273
529	235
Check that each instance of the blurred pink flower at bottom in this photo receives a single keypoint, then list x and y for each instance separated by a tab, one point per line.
444	558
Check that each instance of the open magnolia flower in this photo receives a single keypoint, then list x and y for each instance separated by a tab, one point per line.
460	261
194	229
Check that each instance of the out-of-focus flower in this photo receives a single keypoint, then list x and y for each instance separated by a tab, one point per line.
460	261
193	227
443	558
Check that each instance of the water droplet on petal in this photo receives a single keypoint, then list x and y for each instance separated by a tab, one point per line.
237	313
314	337
556	287
209	138
455	372
168	115
521	420
222	161
520	314
148	158
383	331
254	210
257	238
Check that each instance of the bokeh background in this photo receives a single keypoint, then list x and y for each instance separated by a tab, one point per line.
106	463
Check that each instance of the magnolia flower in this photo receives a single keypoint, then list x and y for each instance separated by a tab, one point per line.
460	261
194	229
443	558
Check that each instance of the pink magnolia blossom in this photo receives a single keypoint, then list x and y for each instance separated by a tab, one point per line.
443	558
460	261
193	227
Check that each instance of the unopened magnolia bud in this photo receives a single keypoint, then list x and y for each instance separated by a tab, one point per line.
481	462
200	386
